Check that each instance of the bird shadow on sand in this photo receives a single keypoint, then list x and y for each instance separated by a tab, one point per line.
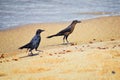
62	44
29	55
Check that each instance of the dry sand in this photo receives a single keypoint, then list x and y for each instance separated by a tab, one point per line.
93	55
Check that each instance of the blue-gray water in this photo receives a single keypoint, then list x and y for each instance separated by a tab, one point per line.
19	12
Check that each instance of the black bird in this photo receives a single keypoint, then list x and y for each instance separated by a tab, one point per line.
67	31
34	43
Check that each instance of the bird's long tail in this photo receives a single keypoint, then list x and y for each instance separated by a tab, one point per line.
52	36
21	47
25	46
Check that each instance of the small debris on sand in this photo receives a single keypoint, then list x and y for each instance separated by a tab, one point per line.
50	54
76	47
114	46
83	46
119	45
102	48
90	42
72	44
81	50
15	59
101	41
113	72
7	61
88	45
94	39
68	51
41	56
61	52
2	56
55	53
64	50
112	39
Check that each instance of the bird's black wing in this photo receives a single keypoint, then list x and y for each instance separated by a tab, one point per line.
35	41
68	29
28	45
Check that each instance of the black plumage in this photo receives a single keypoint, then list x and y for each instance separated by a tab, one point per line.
67	31
34	43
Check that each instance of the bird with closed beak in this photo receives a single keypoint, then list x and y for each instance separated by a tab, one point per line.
34	43
67	31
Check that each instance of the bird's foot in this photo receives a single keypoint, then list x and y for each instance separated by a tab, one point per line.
30	54
63	43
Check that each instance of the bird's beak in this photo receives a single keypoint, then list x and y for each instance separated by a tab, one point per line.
79	21
42	30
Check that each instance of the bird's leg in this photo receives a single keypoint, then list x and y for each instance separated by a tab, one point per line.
30	53
27	51
64	39
38	50
67	39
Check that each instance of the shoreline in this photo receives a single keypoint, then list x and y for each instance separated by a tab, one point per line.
17	26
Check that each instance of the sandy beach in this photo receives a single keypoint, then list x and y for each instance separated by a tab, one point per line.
93	54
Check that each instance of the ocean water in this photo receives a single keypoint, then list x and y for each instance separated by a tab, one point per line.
14	13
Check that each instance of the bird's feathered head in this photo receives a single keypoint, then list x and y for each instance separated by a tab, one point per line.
76	21
39	31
